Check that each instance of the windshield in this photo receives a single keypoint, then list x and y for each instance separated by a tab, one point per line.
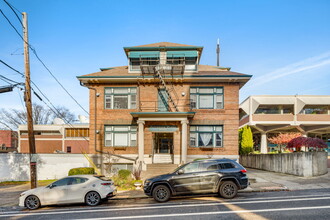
179	168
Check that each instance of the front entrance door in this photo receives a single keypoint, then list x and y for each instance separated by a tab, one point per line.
163	147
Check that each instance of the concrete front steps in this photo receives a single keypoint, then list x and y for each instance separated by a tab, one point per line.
158	169
162	158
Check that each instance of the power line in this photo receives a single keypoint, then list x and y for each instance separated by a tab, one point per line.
11	68
39	59
35	53
12	8
11	24
7	79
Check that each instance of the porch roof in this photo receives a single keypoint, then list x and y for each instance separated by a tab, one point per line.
170	116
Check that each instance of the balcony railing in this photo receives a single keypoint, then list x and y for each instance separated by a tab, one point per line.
183	105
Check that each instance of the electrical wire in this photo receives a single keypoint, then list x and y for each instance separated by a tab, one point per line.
39	59
8	80
12	8
35	53
51	106
57	113
1	61
3	14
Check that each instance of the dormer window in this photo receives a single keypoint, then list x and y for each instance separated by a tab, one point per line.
187	58
138	58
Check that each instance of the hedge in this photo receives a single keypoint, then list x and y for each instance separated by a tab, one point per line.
81	170
124	174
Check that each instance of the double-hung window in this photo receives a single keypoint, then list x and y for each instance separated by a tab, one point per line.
206	136
120	98
206	97
120	136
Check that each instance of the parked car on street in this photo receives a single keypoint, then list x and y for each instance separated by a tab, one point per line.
223	176
87	189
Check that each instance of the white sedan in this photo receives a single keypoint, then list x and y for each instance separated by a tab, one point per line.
87	189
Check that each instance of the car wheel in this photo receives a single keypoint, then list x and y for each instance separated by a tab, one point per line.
32	202
161	193
92	198
228	189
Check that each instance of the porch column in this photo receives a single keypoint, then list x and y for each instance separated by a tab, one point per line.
263	144
184	141
141	141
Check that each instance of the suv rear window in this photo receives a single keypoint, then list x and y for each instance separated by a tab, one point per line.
226	165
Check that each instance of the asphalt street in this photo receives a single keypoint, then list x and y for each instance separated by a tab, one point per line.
301	204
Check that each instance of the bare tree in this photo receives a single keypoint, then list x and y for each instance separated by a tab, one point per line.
12	118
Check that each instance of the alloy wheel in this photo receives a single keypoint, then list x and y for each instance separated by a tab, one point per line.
228	189
32	202
92	198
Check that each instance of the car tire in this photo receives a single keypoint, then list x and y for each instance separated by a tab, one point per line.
32	202
92	198
161	193
228	189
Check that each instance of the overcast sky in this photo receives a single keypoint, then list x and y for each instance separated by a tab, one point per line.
285	45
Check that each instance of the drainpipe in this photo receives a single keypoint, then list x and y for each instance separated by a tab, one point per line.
95	148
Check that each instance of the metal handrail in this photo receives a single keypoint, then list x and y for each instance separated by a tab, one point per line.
153	105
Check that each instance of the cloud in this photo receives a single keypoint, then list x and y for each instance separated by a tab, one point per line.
303	65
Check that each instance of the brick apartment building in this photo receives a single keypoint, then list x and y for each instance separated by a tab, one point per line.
163	107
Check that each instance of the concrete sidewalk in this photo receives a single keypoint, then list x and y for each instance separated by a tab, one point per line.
261	181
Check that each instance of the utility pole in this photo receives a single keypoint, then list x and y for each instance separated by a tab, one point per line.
28	103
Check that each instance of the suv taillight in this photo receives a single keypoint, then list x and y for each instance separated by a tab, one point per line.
105	184
243	171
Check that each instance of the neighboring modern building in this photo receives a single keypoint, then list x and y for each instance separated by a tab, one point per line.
8	141
56	138
163	107
269	115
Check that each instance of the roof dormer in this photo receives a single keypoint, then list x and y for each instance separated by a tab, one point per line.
170	57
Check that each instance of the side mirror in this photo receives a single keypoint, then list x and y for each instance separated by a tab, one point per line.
180	172
51	186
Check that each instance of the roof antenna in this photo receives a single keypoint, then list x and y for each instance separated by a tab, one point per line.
218	52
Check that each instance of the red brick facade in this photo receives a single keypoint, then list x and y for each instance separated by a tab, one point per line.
8	138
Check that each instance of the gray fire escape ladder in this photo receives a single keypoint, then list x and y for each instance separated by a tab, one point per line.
167	90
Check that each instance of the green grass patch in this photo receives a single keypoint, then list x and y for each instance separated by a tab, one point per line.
12	183
9	183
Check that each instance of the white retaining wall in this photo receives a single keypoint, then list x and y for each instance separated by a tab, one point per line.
305	164
15	166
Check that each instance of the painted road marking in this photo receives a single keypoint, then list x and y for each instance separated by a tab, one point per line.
213	213
55	212
171	202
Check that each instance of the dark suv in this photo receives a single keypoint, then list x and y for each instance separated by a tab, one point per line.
223	176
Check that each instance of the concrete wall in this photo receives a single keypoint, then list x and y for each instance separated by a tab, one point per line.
305	164
15	167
